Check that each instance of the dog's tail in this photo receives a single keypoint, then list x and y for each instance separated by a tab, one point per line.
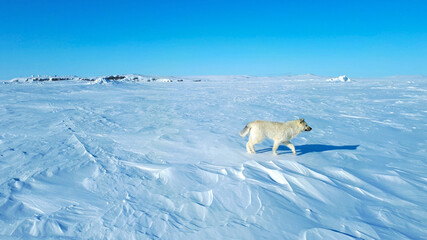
245	131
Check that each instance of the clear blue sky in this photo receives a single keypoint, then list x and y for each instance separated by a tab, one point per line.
91	38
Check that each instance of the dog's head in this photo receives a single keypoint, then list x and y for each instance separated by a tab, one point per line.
304	125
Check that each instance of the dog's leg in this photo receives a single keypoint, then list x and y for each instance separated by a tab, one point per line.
290	146
275	147
254	140
248	147
251	144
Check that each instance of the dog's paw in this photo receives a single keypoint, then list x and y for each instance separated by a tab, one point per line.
275	153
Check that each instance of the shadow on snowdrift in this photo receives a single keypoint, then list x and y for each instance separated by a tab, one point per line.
303	149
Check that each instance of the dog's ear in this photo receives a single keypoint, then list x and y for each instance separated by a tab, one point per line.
301	120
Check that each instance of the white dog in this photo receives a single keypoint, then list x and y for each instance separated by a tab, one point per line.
280	132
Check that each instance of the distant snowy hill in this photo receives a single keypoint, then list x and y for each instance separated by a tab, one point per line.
113	157
103	79
342	78
146	78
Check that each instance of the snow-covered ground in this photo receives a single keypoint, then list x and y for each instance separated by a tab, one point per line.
148	160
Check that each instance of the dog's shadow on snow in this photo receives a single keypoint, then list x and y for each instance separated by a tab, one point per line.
308	148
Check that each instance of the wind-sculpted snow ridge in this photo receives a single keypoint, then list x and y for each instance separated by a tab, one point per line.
165	161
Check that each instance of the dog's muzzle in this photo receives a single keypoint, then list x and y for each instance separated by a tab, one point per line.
308	129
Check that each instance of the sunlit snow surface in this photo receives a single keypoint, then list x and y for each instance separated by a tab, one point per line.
138	160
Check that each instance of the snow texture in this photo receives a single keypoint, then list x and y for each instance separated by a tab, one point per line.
107	159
